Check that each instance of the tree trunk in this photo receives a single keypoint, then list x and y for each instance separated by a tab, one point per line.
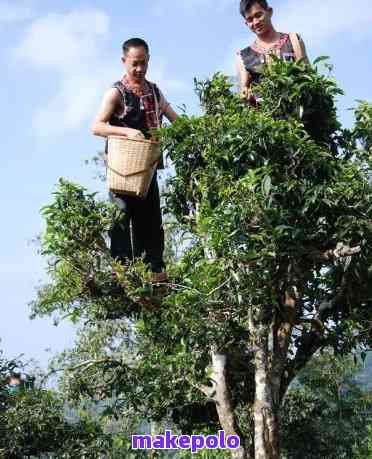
266	438
221	393
282	332
223	403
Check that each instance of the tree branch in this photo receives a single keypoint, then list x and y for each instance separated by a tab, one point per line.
342	250
92	362
223	401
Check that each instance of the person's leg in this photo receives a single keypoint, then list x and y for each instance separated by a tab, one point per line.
148	229
120	233
154	247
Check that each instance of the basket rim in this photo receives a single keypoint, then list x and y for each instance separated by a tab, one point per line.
153	142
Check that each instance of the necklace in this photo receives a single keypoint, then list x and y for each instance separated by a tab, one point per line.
139	89
274	46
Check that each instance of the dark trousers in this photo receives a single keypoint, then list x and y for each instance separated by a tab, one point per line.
140	230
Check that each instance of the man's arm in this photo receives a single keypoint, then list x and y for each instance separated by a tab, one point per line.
166	108
244	79
169	113
100	124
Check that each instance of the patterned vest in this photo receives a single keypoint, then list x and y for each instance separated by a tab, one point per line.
254	61
131	112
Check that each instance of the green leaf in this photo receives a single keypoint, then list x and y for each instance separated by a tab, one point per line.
320	59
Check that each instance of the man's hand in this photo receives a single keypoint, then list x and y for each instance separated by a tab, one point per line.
133	134
247	95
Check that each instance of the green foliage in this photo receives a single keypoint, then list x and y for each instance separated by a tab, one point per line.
294	90
276	201
325	413
363	126
33	422
85	281
75	221
364	450
7	366
255	188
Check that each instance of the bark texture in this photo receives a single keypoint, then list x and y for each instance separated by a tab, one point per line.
266	432
264	410
224	405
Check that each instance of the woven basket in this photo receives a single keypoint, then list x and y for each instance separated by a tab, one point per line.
131	165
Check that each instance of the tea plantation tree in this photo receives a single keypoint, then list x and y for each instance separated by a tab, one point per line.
326	413
33	423
275	203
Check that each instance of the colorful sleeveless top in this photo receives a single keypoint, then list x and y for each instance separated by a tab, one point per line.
140	112
254	59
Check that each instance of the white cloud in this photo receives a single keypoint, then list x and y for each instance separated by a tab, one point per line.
74	47
319	20
71	46
76	100
79	96
63	40
11	12
158	72
161	7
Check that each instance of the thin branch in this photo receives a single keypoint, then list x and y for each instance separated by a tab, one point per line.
181	287
341	251
209	391
219	287
92	362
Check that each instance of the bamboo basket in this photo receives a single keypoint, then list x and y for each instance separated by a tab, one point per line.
131	165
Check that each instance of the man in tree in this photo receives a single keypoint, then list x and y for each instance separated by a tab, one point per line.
131	108
288	46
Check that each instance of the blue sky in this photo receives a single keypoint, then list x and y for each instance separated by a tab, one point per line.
57	59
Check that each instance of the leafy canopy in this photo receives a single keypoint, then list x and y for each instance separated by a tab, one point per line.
276	201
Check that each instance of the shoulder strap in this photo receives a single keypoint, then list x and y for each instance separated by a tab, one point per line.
121	88
154	89
156	93
296	45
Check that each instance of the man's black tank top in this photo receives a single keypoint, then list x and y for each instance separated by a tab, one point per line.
130	114
254	60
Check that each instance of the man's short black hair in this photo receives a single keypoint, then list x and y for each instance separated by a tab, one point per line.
246	4
135	43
